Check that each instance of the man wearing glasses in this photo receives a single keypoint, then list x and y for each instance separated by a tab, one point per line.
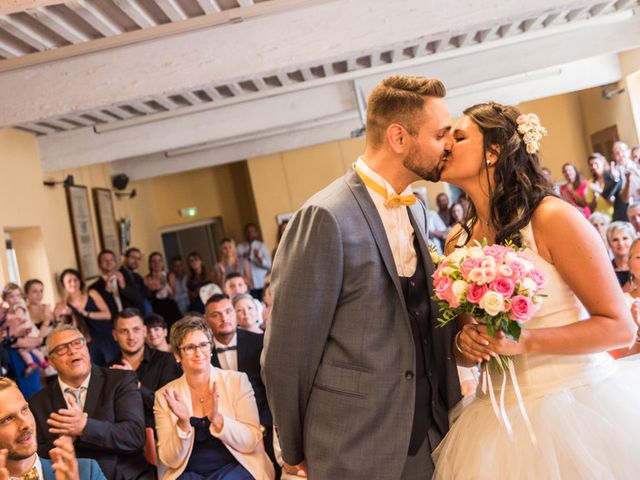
99	408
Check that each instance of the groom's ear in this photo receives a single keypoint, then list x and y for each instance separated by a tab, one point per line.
397	138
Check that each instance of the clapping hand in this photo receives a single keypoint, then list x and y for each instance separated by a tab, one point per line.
178	408
64	459
4	472
211	408
68	421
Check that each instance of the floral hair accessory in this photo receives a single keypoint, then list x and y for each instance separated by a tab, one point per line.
531	130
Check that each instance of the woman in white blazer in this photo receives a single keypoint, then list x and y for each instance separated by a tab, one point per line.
207	420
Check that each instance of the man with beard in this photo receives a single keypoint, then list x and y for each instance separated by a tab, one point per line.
18	445
153	368
359	376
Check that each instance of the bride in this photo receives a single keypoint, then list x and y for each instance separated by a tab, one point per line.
582	405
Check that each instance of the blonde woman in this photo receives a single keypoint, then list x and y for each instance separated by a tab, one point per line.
207	420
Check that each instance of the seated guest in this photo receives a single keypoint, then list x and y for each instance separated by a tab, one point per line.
601	222
157	332
234	284
442	202
198	277
18	440
633	212
632	296
207	420
239	350
132	259
41	313
247	313
153	368
162	301
100	408
20	325
231	263
177	279
619	236
457	214
89	312
112	287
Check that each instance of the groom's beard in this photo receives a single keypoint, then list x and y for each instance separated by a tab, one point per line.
423	166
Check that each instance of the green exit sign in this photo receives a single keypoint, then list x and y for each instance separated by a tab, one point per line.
188	212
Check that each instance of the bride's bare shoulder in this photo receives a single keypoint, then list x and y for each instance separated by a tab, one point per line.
556	222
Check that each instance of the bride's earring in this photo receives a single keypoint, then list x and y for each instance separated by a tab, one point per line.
488	163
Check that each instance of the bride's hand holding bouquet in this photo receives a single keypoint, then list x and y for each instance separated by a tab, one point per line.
499	287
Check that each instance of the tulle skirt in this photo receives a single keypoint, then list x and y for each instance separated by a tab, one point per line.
588	432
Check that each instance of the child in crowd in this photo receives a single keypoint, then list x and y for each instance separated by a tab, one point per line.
20	325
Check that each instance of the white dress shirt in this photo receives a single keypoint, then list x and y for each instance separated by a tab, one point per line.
38	465
228	359
83	393
396	223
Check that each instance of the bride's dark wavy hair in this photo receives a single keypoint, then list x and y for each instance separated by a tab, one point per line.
518	183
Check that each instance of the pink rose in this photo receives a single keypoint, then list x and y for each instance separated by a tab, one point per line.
538	277
476	292
496	251
522	308
504	286
468	265
443	289
518	269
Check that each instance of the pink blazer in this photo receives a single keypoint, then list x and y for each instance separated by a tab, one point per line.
241	432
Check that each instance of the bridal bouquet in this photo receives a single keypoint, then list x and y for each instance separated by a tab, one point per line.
497	284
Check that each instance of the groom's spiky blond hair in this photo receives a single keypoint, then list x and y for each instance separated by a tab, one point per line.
399	99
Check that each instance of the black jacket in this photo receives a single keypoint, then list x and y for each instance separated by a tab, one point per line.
115	432
249	351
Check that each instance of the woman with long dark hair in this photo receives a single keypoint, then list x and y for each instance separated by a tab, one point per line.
89	312
198	277
575	189
581	410
604	186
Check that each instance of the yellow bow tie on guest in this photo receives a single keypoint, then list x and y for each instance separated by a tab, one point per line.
393	200
31	474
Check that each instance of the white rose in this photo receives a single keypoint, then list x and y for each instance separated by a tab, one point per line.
528	287
459	289
510	257
477	276
457	255
475	252
527	266
505	270
492	303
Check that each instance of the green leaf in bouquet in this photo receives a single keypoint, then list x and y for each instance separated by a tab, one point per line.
514	330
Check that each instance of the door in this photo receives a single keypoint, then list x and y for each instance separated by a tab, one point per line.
200	237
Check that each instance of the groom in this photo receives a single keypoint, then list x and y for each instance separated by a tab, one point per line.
359	376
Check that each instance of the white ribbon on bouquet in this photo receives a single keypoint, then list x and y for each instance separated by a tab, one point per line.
499	408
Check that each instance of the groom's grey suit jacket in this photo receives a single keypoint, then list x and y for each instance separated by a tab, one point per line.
339	354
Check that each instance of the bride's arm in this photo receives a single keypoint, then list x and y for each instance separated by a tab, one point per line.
566	239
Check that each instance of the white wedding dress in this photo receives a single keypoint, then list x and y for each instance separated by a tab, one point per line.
584	411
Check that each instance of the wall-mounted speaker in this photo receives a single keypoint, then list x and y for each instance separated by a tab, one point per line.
120	181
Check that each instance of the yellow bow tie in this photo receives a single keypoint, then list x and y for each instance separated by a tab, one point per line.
31	474
393	200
